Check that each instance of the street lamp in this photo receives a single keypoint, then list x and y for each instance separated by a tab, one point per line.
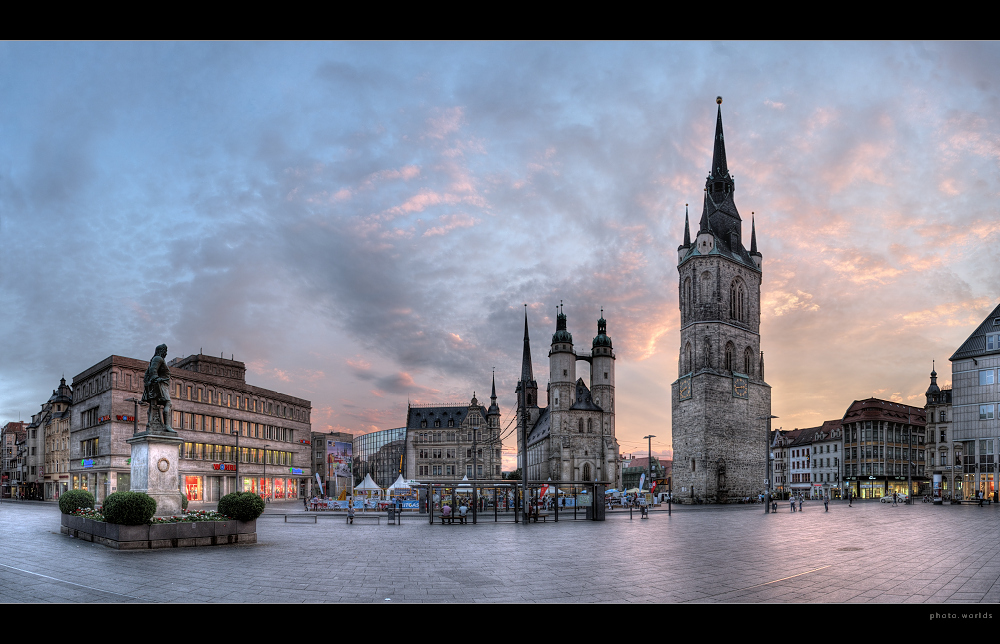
239	481
265	471
649	462
767	471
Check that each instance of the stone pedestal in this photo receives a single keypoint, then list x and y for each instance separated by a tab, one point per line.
155	470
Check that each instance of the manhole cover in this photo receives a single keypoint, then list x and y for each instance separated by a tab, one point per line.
849	549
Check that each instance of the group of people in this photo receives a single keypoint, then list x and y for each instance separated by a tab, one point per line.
463	510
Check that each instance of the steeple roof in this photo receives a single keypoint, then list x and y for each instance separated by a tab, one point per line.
719	167
526	374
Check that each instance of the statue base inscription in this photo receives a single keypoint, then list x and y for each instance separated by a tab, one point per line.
155	470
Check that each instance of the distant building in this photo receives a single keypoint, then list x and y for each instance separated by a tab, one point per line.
445	442
12	458
884	448
212	403
380	454
944	459
51	428
976	405
636	467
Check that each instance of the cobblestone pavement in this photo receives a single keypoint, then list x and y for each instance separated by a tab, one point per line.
871	553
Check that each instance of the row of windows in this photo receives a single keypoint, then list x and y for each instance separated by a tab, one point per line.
216	425
882	469
450	453
227	453
451	437
881	452
739	300
237	401
882	431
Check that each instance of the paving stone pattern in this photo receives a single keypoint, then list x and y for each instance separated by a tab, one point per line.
871	553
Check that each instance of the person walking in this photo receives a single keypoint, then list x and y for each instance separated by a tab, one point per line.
800	502
850	498
793	503
826	501
350	514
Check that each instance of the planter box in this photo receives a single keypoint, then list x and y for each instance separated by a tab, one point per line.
165	535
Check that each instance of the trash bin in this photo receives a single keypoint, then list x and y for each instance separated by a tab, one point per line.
392	514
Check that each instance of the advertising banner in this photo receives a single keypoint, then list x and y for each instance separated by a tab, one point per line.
338	458
411	505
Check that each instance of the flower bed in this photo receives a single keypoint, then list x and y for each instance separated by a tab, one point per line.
199	528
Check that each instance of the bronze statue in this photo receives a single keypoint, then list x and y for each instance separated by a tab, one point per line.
156	392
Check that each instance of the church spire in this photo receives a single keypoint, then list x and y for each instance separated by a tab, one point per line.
719	168
526	374
753	235
687	229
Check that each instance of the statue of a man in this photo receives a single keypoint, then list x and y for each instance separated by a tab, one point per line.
156	390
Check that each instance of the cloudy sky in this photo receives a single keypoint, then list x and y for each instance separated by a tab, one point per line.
362	223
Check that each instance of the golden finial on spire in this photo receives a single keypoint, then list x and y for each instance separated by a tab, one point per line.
718	100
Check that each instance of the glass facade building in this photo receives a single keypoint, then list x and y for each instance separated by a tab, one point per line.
381	454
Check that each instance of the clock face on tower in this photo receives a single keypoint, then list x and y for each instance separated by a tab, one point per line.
684	387
740	387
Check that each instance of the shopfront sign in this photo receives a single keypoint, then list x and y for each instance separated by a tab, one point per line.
130	419
103	419
87	462
225	467
294	470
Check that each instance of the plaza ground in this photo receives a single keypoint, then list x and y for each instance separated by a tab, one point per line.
869	553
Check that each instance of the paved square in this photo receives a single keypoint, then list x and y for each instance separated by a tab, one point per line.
871	553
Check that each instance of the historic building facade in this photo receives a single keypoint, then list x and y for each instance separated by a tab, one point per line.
572	438
449	442
975	406
52	425
944	457
213	407
720	401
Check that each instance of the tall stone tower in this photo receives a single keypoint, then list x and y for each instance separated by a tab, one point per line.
720	402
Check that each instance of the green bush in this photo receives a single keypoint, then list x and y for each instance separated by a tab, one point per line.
184	502
242	506
129	508
74	500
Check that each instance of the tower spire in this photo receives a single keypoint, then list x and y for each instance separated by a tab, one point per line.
687	228
526	373
753	234
719	167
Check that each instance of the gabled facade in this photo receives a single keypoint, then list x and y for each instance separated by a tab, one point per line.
720	401
884	448
975	406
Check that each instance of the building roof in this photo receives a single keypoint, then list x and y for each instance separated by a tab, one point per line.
430	413
542	427
975	345
878	409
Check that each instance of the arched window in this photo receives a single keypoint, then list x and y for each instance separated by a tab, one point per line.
586	471
729	356
686	310
687	358
747	359
737	301
590	425
580	425
705	295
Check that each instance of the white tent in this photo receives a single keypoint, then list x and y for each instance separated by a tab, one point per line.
464	485
399	486
368	486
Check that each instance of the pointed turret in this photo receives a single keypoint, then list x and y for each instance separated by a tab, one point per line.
494	409
526	385
526	375
683	249
754	254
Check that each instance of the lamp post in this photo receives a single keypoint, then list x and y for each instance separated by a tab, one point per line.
135	416
649	461
767	471
264	460
239	481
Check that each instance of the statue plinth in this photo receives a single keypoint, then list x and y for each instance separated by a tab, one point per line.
155	471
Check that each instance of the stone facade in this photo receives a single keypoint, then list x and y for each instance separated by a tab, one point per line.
944	460
449	442
720	401
210	399
573	437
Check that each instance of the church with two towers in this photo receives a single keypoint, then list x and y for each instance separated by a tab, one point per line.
572	438
720	402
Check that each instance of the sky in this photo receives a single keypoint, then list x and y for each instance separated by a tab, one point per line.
363	223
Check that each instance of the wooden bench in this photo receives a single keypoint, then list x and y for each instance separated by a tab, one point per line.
539	515
451	518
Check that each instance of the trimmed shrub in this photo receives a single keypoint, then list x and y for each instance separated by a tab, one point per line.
242	506
129	508
184	502
74	500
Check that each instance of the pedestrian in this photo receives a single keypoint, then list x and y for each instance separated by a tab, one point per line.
980	498
826	502
774	505
350	514
800	503
793	503
850	499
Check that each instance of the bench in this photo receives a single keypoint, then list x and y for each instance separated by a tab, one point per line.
301	516
377	517
451	518
539	515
